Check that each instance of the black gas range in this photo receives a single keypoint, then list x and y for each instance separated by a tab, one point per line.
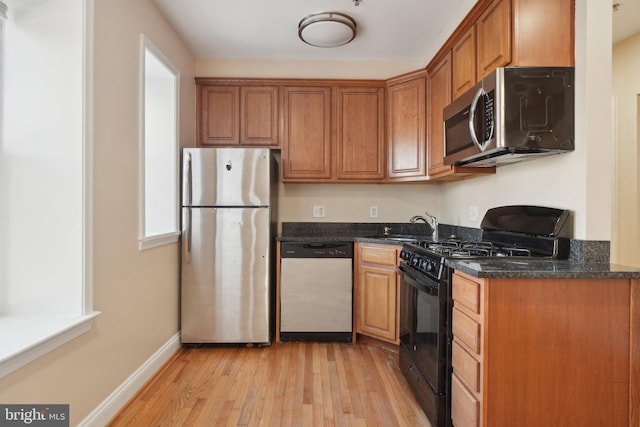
507	231
425	291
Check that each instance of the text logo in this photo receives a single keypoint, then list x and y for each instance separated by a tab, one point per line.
34	415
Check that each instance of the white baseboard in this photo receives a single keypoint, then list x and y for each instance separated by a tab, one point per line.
116	400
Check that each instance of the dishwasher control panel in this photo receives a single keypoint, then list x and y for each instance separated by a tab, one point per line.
316	250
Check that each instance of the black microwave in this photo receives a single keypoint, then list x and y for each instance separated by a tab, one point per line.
513	114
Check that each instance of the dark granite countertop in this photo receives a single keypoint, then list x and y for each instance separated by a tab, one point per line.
584	263
543	269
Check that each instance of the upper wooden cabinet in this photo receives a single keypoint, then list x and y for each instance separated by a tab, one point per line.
406	119
543	32
218	119
306	144
259	115
498	33
234	115
360	133
439	90
333	134
463	56
493	35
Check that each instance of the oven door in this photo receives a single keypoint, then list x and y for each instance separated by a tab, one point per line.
423	325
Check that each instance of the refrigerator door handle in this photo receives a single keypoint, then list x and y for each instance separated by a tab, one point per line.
189	177
187	235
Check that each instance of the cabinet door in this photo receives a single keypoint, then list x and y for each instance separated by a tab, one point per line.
494	37
259	115
439	90
219	115
464	63
306	144
360	134
544	32
377	297
406	129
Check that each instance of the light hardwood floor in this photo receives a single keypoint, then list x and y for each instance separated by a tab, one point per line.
286	384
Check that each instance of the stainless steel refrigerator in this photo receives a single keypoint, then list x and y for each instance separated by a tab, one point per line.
228	229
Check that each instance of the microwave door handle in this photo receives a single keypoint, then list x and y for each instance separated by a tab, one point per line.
472	115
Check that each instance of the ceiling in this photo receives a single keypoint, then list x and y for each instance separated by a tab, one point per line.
392	30
388	30
626	20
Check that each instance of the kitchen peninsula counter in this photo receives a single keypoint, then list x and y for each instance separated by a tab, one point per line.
542	269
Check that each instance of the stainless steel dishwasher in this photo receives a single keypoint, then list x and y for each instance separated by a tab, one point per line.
316	291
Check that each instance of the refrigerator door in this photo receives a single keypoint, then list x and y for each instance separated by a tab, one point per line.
225	275
226	176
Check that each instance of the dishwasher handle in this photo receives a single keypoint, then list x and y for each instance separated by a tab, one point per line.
319	245
316	250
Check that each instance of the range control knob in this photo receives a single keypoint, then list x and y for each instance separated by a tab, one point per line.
415	261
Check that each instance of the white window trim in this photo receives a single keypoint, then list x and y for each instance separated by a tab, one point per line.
46	333
43	334
148	242
159	240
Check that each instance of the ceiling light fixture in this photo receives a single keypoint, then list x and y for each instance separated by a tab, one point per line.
327	29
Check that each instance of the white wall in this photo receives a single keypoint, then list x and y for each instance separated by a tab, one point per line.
626	91
137	292
351	202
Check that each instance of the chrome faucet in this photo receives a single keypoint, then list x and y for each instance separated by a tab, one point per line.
432	221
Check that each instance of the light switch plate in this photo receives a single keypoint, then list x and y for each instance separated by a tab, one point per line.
373	212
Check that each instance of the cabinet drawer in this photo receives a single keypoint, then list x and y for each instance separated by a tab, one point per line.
466	367
466	330
385	255
465	409
467	293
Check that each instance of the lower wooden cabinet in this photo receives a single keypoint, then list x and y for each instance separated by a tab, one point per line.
467	351
465	409
376	291
530	352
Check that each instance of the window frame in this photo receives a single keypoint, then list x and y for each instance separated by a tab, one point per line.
39	335
151	241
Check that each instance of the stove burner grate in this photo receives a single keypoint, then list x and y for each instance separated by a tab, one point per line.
459	249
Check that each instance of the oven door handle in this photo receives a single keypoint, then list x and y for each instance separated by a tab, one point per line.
424	284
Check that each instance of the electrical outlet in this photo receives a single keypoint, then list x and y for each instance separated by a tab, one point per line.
318	211
473	213
373	212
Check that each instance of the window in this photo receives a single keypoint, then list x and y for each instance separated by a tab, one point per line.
45	171
159	149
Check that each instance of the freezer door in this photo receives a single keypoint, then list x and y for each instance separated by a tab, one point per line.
225	286
226	176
